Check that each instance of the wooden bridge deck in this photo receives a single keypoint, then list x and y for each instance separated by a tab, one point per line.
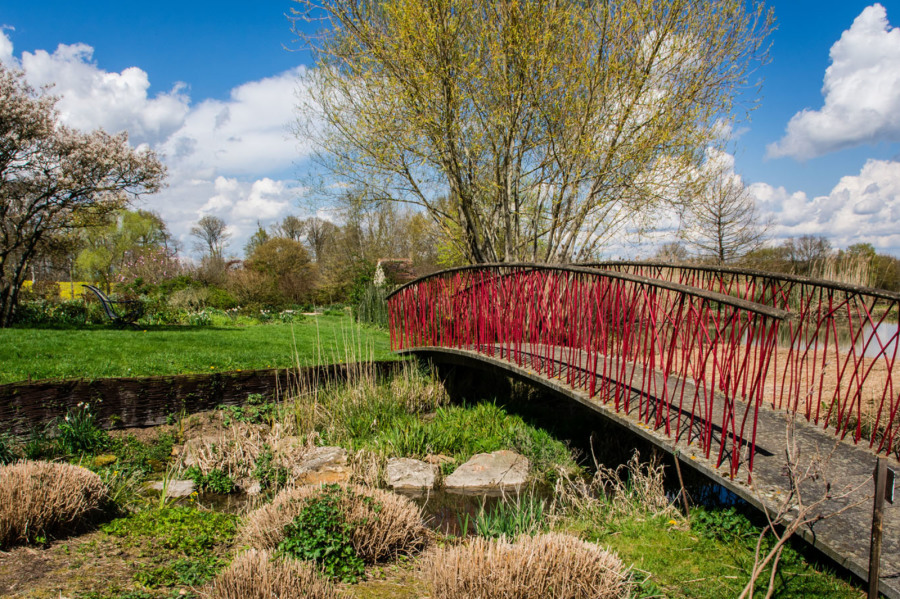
844	537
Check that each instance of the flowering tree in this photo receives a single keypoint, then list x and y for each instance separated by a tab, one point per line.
54	179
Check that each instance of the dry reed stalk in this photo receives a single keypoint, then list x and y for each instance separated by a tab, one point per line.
549	565
42	498
236	450
630	489
257	575
367	468
385	524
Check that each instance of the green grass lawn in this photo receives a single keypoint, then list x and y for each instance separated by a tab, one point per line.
98	352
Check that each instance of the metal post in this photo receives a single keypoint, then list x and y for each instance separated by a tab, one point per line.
877	526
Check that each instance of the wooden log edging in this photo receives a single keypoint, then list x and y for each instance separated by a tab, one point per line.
152	400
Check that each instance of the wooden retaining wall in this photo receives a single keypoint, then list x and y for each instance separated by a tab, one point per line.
149	401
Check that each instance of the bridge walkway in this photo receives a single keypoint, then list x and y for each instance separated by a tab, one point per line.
844	537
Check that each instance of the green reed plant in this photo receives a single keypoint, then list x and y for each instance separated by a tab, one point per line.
526	514
78	431
9	450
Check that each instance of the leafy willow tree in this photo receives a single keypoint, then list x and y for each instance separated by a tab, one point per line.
528	129
125	238
54	179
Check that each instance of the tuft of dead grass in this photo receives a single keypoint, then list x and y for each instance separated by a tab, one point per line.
257	575
631	489
38	499
549	565
385	524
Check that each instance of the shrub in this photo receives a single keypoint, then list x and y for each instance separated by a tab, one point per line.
550	565
384	524
256	575
322	533
38	499
372	307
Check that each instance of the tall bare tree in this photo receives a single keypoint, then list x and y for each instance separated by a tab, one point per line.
723	222
292	227
212	236
53	179
527	129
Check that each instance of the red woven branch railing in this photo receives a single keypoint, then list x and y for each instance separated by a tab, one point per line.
835	362
686	362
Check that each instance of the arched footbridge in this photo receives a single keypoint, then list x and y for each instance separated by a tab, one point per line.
738	373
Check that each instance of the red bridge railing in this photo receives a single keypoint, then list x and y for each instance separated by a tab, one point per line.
835	362
684	361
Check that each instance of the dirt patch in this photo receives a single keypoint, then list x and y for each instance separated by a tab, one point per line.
92	562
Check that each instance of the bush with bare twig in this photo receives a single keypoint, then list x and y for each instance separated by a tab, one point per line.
38	499
383	524
550	565
813	495
257	575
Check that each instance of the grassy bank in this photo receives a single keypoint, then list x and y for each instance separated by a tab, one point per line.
154	547
96	352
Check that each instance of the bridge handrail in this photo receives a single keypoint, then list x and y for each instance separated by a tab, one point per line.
714	296
736	270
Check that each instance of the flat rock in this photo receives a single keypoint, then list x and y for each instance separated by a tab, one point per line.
407	474
249	486
486	472
322	465
175	488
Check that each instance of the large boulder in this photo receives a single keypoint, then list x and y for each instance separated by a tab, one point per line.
322	465
489	472
407	474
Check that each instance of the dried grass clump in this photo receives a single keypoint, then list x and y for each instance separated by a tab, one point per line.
635	488
38	499
550	565
236	450
385	524
256	575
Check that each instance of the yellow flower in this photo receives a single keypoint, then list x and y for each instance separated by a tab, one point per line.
673	522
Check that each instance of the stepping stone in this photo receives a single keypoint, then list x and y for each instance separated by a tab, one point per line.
322	465
176	488
407	474
489	472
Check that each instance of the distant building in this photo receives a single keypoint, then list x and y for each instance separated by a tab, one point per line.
390	272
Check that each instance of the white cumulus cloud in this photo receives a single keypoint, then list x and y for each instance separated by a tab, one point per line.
860	208
91	97
861	89
230	158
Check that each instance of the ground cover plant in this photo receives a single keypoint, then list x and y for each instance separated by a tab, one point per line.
33	354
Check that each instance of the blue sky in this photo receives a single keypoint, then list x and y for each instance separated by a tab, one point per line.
212	86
